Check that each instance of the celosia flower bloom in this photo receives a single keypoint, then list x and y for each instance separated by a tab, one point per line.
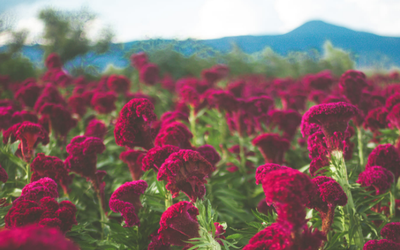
3	175
377	178
49	94
46	212
189	95
291	215
126	200
34	237
376	119
264	208
148	74
386	156
157	243
351	84
381	245
333	118
156	156
209	153
96	128
392	101
29	134
264	170
287	120
77	104
133	127
391	231
321	81
272	147
179	224
176	134
293	99
186	171
21	116
36	190
275	236
134	160
53	61
224	101
118	83
27	95
173	116
219	231
61	120
318	163
138	60
6	114
103	102
317	96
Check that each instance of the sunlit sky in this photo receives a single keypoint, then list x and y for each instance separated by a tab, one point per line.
204	19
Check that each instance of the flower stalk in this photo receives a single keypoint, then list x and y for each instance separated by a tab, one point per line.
168	199
192	121
360	148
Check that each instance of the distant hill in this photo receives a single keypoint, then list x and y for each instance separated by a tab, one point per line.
368	48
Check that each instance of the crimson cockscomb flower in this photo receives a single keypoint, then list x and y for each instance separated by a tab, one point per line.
381	245
224	101
157	243
318	163
156	156
29	134
386	156
293	99
186	171
391	231
126	200
103	102
376	119
118	83
35	237
264	208
3	175
52	167
149	74
77	104
133	127
179	224
376	178
189	95
173	116
265	169
275	237
272	147
27	95
292	215
287	120
96	128
138	60
50	94
137	95
333	118
53	61
320	81
61	121
316	145
134	160
209	153
168	83
394	116
219	231
257	108
21	116
6	114
214	74
35	191
317	96
351	84
176	134
392	101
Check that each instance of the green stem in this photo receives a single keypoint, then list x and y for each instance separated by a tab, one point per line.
103	217
28	173
392	207
192	121
168	200
360	148
342	178
242	155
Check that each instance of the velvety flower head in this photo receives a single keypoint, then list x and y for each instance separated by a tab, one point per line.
133	127
275	237
126	200
333	119
351	84
157	243
189	95
60	118
61	78
77	104
219	231
186	171
376	119
321	81
286	186
27	95
292	215
118	83
35	191
21	116
381	245
82	157
3	175
377	178
287	121
52	167
237	87
318	163
103	102
327	193
149	74
137	95
50	94
263	170
391	231
6	114
293	99
258	106
156	156
179	224
176	134
272	147
168	83
317	96
134	160
264	208
394	116
335	98
317	145
173	116
138	60
209	153
29	134
96	128
53	61
35	237
311	239
224	101
214	74
386	156
392	101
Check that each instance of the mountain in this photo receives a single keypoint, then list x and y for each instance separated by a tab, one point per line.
368	48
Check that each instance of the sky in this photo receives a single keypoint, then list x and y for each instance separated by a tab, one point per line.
205	19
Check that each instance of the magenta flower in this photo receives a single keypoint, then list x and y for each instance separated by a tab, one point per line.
61	121
318	163
292	215
381	245
189	95
264	208
376	119
138	60
49	95
35	191
77	104
174	116
96	128
149	74
224	101
186	171
265	169
133	127
134	160
35	237
179	224
320	81
293	99
392	101
156	156
3	175
21	116
52	167
126	200
275	236
27	95
176	134
351	84
103	102
157	243
386	156
272	147
391	231
377	178
53	61
327	194
118	83
209	153
317	96
287	121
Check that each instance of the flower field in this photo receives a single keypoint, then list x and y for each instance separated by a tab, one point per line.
219	161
